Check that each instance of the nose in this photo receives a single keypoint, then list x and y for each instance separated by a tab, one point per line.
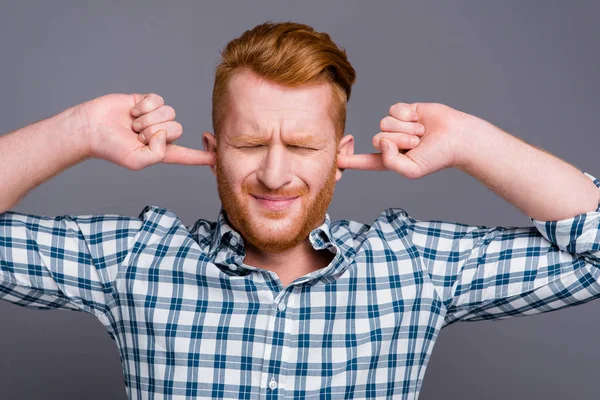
274	171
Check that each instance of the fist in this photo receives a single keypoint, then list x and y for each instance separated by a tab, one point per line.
416	140
136	131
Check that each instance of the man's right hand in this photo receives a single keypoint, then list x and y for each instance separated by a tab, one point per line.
113	134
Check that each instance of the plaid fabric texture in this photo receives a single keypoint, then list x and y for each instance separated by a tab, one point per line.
192	321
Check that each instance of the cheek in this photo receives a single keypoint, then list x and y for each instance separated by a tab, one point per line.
236	168
315	171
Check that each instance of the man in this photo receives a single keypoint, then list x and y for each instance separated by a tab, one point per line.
273	299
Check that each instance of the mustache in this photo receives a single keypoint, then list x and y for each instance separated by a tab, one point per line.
267	192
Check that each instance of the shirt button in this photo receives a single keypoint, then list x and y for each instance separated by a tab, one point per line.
233	240
232	267
281	306
273	384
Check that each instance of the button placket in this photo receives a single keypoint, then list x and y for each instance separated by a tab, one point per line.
281	307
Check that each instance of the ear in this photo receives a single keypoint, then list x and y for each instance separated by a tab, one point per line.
345	147
210	144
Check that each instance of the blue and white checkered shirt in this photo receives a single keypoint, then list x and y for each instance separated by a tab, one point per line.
192	321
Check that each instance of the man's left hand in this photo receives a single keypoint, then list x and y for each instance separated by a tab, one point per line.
442	128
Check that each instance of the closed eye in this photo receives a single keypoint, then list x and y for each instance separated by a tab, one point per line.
301	148
291	146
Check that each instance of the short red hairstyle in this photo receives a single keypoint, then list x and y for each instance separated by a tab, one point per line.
289	54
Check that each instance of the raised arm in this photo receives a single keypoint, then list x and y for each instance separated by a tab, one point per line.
105	128
71	261
484	272
36	153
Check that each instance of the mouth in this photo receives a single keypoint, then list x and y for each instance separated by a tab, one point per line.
275	203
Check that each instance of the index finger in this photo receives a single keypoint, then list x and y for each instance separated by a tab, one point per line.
176	154
372	162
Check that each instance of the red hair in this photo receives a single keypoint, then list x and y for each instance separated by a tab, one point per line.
289	54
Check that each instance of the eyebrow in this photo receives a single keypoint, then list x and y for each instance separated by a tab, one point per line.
297	140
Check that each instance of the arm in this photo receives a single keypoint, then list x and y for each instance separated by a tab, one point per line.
36	153
536	182
64	262
70	261
521	271
100	128
484	272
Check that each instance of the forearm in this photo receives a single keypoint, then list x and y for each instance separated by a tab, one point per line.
539	184
31	155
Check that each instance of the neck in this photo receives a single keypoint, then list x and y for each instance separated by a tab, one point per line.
289	264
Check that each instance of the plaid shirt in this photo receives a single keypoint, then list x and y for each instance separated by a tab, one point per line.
192	321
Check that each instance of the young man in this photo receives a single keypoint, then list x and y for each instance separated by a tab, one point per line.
274	299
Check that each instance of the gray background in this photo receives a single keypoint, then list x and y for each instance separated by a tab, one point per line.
529	67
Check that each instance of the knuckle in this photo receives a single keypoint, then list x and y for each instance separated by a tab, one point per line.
375	140
169	111
141	121
385	122
145	106
397	108
177	129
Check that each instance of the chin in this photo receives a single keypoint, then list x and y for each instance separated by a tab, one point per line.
274	228
270	233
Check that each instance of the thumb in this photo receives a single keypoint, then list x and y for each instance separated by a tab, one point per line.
394	160
156	149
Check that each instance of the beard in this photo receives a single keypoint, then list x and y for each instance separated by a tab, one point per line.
274	231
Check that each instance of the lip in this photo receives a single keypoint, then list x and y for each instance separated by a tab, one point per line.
275	198
275	203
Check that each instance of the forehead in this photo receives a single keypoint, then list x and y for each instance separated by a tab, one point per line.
256	101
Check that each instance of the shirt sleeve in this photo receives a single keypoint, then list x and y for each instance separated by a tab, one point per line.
496	272
65	262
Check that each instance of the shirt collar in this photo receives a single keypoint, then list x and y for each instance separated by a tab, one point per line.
228	241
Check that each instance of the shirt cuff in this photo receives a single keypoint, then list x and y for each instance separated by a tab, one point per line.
578	234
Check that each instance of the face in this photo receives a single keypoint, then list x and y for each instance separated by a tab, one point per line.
276	160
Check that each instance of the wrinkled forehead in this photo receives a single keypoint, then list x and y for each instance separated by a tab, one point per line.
255	104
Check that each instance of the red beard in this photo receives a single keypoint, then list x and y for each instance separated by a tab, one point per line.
257	233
